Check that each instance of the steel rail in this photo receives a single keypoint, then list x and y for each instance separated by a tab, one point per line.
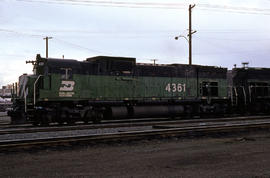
131	135
29	125
115	125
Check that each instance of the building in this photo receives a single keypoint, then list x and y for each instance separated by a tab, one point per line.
6	91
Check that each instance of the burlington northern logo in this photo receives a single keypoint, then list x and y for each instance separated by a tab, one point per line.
67	86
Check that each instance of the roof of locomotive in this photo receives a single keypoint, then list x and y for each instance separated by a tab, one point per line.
107	64
251	69
99	58
55	62
251	73
62	62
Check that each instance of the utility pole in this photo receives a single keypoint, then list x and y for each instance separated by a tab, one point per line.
190	32
47	39
154	61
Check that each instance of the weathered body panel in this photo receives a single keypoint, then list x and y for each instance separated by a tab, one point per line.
93	87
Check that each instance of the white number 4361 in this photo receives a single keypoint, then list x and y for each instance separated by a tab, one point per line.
175	87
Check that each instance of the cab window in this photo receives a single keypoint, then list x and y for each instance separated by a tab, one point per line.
209	89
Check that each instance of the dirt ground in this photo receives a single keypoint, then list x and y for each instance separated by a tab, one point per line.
244	156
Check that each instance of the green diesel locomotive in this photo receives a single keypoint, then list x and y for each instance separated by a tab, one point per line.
103	87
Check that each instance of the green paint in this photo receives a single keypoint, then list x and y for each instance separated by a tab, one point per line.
94	87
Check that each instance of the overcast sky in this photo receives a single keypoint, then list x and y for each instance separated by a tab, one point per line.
228	31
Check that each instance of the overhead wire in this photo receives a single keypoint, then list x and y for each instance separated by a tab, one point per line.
79	46
214	6
108	4
146	33
58	39
20	33
208	7
131	35
121	34
234	11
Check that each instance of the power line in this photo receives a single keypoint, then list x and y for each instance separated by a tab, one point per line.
149	34
232	39
212	6
130	35
233	11
20	33
63	41
79	46
208	7
234	31
145	4
109	4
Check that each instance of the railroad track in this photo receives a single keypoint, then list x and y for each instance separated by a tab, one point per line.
128	124
4	121
134	135
3	114
29	125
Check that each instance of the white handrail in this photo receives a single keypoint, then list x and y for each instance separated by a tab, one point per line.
231	89
236	95
35	89
245	96
249	89
25	102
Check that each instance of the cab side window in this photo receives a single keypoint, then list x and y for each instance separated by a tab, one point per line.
66	73
259	88
209	89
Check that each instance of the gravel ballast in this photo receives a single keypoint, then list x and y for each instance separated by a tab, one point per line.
235	156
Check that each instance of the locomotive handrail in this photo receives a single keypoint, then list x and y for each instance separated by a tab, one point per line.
35	88
249	88
25	102
231	94
236	95
244	92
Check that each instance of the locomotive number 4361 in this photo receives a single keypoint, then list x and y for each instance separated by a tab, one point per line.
176	87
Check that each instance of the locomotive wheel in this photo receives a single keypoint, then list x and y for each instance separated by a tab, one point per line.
96	120
94	116
68	118
97	117
87	116
60	120
34	120
63	117
70	121
37	120
44	119
19	118
35	123
86	119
